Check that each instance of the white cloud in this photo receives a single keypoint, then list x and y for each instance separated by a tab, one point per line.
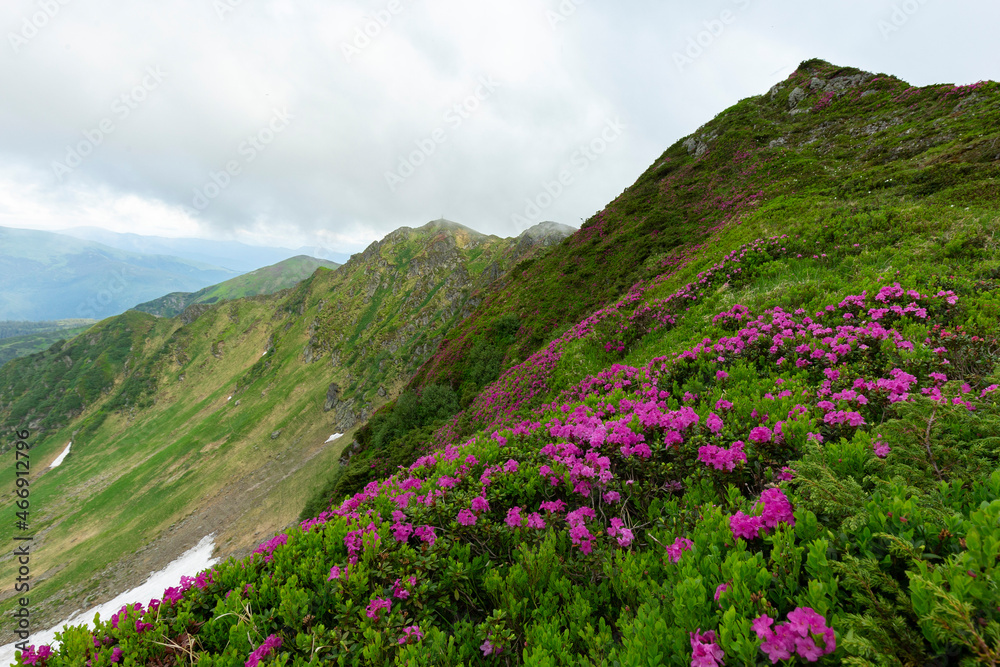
323	179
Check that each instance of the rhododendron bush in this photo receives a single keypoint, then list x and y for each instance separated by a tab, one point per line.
769	493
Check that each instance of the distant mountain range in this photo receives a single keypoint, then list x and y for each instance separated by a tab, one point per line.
51	276
232	255
267	280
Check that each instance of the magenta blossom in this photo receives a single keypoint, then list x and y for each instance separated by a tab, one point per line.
704	651
797	636
271	643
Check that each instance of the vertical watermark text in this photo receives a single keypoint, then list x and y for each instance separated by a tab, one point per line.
22	538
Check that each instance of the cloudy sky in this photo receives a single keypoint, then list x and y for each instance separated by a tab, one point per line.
329	122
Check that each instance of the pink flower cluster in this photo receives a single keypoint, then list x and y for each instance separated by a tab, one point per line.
797	636
777	510
704	651
37	656
376	606
880	448
399	590
680	545
272	643
578	530
620	532
411	634
722	459
267	548
515	520
354	541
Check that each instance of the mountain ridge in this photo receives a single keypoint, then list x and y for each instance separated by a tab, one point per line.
224	396
266	280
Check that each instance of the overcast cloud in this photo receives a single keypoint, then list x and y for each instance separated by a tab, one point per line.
334	122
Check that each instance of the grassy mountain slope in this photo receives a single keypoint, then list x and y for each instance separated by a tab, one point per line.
266	280
780	441
845	135
218	420
46	276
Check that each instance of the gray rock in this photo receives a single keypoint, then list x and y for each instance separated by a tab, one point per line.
275	434
817	83
332	397
839	84
796	96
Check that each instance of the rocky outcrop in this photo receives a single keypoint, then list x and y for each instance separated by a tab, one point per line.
699	143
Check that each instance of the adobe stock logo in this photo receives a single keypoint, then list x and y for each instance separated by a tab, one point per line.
31	25
121	108
249	149
714	29
900	16
104	297
562	12
371	29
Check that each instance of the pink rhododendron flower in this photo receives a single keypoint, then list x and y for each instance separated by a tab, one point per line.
480	504
553	506
411	634
704	651
881	449
399	590
376	606
777	510
714	422
36	656
760	434
722	459
745	526
680	545
271	643
514	517
466	517
797	636
425	534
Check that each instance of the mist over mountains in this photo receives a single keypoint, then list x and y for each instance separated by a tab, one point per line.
50	276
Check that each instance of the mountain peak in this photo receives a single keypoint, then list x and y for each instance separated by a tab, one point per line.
547	228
